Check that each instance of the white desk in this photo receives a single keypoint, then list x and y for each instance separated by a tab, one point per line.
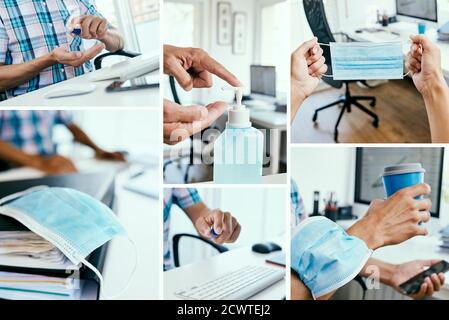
271	179
197	273
416	248
141	217
404	33
98	98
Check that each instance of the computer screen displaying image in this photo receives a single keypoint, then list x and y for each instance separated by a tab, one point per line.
263	80
370	163
419	9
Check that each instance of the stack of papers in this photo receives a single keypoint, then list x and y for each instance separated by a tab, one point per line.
37	287
39	269
445	238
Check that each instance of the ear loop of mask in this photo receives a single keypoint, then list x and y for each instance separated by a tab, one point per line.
331	75
100	277
20	194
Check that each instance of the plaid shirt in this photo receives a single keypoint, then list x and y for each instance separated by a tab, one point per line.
183	198
30	29
32	131
298	211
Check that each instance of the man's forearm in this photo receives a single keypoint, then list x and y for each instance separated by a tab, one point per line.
113	41
80	136
296	99
437	105
14	75
13	155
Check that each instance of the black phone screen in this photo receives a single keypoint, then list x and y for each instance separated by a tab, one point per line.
413	285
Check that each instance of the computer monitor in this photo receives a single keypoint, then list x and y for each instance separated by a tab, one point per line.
426	10
370	163
263	80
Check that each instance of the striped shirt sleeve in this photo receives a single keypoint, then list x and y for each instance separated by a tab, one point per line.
4	41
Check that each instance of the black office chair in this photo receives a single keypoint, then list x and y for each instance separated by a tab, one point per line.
177	238
316	16
98	62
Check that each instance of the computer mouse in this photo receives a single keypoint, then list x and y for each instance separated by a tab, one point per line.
70	90
266	247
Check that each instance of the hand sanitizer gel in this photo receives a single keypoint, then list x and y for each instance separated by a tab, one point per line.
238	151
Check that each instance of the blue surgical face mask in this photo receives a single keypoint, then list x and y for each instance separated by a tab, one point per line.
324	256
72	221
367	61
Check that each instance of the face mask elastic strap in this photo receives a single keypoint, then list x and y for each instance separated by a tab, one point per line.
100	277
21	194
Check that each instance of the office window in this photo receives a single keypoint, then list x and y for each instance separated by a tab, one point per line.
180	17
184	17
146	21
274	30
108	10
137	20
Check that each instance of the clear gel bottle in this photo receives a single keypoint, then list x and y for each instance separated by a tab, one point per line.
238	151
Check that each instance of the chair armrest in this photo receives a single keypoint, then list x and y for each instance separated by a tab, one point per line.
99	60
177	238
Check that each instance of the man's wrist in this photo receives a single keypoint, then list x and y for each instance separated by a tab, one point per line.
34	161
295	86
435	89
366	231
49	59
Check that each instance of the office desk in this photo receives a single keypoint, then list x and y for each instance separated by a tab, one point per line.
271	179
140	216
404	36
416	248
98	98
273	124
197	273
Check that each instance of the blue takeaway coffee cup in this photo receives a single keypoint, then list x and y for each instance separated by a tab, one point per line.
422	28
401	176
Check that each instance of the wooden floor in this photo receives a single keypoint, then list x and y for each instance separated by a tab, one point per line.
401	110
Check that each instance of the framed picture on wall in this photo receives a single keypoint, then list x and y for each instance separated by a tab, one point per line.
224	20
239	34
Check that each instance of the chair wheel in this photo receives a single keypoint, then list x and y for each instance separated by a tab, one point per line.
373	103
376	123
315	117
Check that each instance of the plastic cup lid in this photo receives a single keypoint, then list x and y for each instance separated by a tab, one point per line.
403	168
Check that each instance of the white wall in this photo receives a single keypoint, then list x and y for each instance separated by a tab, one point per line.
324	169
260	211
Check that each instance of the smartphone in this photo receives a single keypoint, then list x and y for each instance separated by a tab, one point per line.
413	285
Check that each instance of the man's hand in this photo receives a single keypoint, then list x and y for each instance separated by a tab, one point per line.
307	67
394	220
424	62
405	271
180	122
193	68
223	223
75	58
106	155
92	27
53	165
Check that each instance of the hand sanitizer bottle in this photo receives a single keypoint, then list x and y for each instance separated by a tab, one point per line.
238	151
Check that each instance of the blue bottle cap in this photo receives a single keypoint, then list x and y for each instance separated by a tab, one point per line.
76	31
214	234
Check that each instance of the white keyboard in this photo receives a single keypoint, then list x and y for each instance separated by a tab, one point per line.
128	69
240	284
